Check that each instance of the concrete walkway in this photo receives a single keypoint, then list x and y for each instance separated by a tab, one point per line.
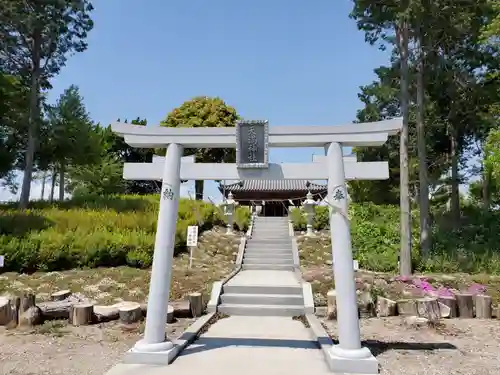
244	345
264	278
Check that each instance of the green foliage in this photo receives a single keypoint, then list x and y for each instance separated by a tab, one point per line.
204	111
96	231
492	154
375	230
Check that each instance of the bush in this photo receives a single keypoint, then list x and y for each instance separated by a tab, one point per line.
96	231
375	231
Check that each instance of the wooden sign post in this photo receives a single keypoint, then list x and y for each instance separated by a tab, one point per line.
191	241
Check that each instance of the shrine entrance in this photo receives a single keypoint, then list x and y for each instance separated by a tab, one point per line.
252	140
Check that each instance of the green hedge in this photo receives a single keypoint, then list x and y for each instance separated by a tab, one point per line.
375	230
96	231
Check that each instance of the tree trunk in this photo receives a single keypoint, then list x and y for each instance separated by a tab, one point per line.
405	268
32	124
425	225
44	181
52	185
198	188
486	189
454	181
61	181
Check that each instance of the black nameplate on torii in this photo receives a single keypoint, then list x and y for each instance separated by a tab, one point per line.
252	144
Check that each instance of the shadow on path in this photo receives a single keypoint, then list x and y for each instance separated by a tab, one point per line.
211	343
376	347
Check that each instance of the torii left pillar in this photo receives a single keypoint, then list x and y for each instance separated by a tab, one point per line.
155	346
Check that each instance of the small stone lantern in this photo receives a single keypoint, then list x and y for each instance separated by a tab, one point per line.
229	210
309	205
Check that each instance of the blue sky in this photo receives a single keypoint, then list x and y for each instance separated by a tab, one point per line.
288	61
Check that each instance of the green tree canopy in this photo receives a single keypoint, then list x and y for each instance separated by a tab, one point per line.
204	111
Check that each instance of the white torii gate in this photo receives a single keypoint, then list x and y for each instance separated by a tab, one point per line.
252	163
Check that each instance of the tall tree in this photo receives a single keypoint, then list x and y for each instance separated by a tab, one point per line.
37	38
204	111
72	139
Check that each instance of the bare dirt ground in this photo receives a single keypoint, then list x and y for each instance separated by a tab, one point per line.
55	348
458	347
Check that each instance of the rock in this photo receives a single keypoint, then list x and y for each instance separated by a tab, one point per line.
321	311
30	317
60	295
407	307
329	262
380	283
366	305
331	310
386	307
416	321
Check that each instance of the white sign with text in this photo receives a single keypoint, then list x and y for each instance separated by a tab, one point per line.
192	236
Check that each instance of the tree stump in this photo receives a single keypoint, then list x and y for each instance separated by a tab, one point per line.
30	317
451	303
27	301
331	310
15	303
196	304
5	311
366	307
386	307
429	309
444	310
407	307
170	314
483	306
60	295
80	314
465	304
130	313
105	313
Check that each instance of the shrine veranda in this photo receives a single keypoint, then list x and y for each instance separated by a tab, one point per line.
252	140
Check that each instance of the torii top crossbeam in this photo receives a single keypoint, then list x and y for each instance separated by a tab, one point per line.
351	135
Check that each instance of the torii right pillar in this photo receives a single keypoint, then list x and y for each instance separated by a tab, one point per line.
348	356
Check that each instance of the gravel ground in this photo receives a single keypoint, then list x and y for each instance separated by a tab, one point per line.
458	347
57	349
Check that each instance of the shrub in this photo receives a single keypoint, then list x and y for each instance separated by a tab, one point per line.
96	231
375	231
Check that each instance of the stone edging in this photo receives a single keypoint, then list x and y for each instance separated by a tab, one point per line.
322	337
187	338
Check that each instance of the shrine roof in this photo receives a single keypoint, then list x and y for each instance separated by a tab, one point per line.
273	186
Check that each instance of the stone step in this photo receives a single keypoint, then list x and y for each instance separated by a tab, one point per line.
261	310
263	299
262	289
268	261
268	254
269	240
265	266
269	247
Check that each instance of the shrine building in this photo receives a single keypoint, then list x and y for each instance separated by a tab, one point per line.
272	197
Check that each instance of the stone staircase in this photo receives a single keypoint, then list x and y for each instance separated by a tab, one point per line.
267	284
270	247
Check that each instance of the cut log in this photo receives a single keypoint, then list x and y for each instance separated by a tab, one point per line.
81	314
465	304
385	307
170	314
497	312
429	308
15	303
60	295
407	307
483	306
331	309
366	307
181	309
196	304
27	301
30	317
60	309
5	311
130	313
451	303
105	313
